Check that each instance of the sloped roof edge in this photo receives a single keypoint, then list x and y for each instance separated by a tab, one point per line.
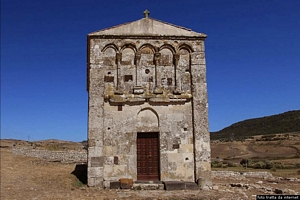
160	28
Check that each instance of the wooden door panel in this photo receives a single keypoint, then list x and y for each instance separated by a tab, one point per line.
147	156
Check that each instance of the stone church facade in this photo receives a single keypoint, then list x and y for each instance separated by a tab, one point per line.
147	107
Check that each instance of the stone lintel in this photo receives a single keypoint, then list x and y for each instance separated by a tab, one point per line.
147	129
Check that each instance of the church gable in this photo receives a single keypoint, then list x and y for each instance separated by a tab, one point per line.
148	26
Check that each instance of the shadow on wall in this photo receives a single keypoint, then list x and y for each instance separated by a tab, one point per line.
80	172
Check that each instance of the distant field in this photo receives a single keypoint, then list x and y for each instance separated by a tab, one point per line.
272	147
284	151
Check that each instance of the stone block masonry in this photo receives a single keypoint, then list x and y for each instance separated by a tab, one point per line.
53	156
147	102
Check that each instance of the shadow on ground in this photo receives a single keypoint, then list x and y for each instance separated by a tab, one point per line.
80	172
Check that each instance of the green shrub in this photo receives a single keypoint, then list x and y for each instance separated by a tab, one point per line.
231	164
279	165
259	165
139	188
297	165
273	169
269	164
246	162
216	164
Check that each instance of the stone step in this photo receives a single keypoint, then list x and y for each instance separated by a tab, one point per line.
148	186
178	185
153	185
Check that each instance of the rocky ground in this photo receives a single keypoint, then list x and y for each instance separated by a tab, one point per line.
33	178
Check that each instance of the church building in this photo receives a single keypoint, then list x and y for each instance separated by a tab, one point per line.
147	104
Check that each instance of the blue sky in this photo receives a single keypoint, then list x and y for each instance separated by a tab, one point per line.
252	53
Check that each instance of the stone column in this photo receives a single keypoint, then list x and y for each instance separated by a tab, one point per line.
202	152
177	74
118	62
137	64
157	56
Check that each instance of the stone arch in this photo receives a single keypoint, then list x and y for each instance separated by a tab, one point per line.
184	68
111	45
109	57
147	120
184	58
147	71
166	58
129	45
166	69
127	70
147	49
184	46
168	46
128	55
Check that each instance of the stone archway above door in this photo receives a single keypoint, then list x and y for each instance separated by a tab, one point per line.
147	121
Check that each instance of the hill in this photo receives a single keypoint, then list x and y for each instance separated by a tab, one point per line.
282	123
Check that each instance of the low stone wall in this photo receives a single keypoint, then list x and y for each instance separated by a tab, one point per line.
265	175
242	175
53	156
225	173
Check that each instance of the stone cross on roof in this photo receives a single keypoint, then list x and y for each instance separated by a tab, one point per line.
146	13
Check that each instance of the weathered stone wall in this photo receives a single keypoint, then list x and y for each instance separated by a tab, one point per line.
174	125
147	84
54	156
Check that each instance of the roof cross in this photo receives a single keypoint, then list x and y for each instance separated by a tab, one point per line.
146	13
